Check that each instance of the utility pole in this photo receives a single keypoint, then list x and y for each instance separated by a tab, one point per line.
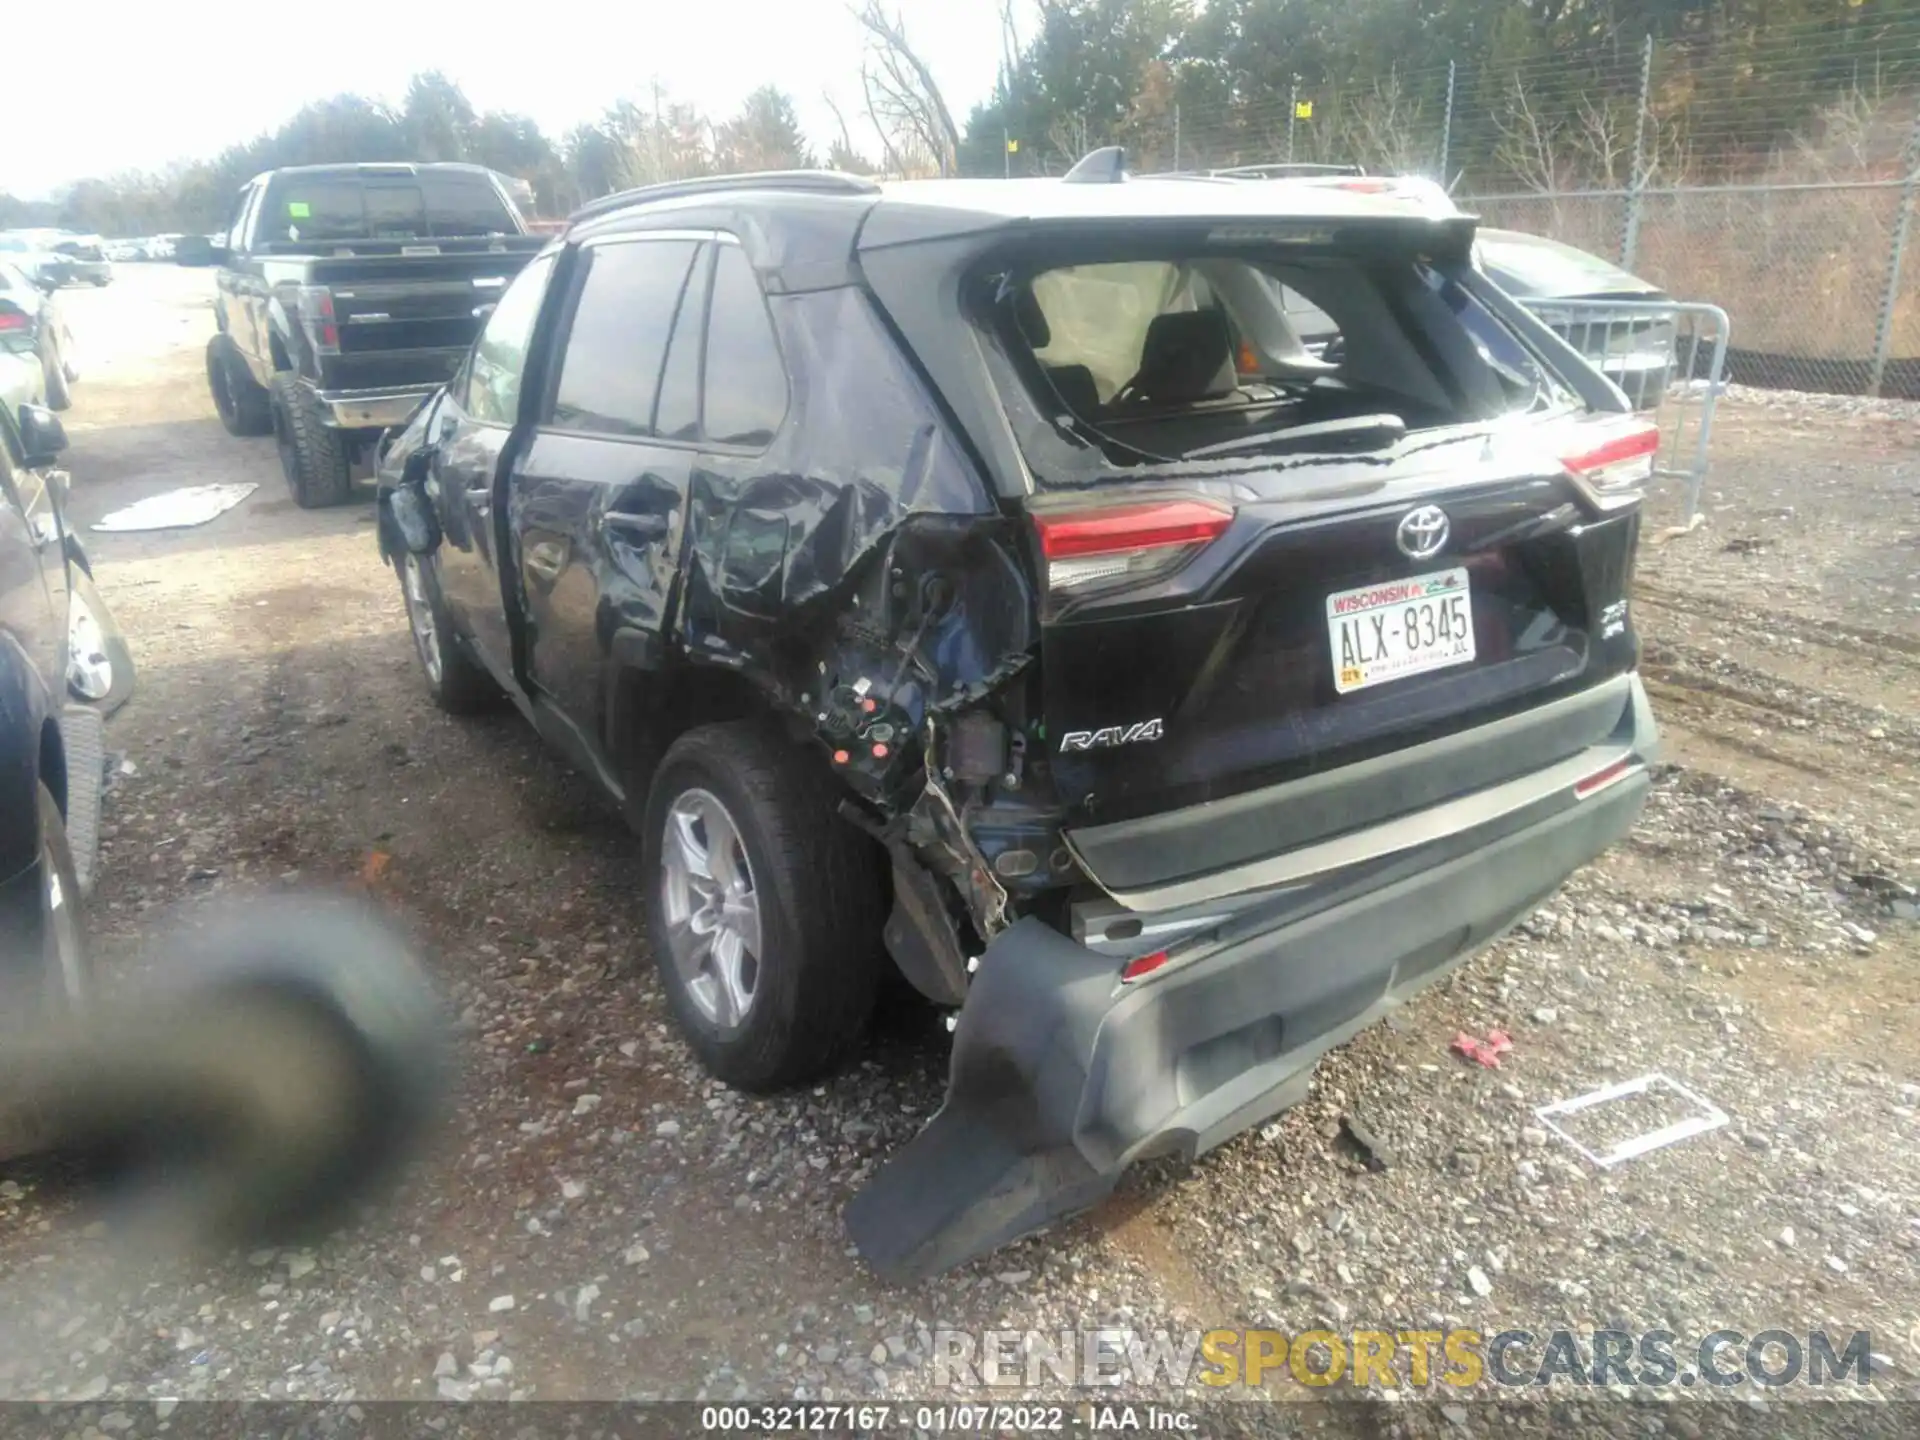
1006	153
1446	126
1176	137
1293	109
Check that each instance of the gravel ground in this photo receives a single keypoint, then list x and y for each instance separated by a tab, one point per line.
603	1222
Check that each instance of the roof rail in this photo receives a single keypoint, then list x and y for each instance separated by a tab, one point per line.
1105	166
819	182
1284	170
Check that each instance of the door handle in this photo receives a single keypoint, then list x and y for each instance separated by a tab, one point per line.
635	527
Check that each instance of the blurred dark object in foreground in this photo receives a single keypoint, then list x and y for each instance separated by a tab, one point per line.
283	1063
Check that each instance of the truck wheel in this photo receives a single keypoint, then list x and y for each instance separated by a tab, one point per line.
312	455
244	407
458	683
765	906
59	387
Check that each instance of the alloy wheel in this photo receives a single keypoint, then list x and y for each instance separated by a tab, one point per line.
713	909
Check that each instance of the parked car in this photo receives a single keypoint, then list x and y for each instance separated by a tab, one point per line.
63	666
32	325
1636	352
87	253
347	294
985	575
40	265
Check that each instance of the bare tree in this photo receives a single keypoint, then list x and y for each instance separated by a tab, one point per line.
1068	135
1531	145
903	100
1385	129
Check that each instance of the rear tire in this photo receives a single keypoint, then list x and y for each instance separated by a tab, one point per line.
243	405
313	455
457	683
761	811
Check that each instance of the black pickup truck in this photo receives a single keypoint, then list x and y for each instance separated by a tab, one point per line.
348	294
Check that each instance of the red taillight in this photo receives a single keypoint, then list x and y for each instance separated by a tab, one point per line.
1602	778
316	312
1613	464
1145	965
1083	547
14	320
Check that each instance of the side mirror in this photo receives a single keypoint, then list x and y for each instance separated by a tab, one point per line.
42	436
44	281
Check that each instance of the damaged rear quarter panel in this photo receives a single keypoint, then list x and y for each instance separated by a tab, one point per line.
811	558
774	534
859	573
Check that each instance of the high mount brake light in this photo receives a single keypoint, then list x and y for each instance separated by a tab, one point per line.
1612	467
1133	542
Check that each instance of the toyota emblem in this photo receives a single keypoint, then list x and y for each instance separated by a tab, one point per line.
1422	532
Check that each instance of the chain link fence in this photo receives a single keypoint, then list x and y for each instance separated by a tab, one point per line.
1776	179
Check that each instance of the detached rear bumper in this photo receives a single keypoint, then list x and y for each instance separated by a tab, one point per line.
1063	1075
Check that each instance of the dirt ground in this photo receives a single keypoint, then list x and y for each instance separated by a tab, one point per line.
669	1238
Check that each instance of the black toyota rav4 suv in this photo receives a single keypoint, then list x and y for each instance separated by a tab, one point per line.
982	577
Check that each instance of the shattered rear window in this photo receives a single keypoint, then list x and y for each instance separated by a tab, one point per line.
1209	350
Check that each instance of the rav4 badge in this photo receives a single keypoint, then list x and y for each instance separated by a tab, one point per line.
1111	735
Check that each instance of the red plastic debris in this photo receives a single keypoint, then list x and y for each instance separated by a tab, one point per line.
1486	1052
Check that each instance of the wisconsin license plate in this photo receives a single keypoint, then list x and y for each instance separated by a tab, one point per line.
1399	628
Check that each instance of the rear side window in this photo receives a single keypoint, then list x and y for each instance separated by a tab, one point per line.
464	205
676	415
746	384
299	210
616	345
321	209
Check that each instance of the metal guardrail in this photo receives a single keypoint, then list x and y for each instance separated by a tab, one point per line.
1670	359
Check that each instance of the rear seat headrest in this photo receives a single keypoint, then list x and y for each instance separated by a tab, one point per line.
1187	356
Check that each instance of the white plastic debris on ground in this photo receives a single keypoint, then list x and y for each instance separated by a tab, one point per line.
176	509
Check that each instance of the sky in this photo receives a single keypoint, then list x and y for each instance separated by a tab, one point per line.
185	79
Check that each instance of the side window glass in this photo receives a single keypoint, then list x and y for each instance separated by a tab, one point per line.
677	416
614	352
745	389
499	357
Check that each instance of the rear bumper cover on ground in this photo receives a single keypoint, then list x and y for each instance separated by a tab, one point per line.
1062	1076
